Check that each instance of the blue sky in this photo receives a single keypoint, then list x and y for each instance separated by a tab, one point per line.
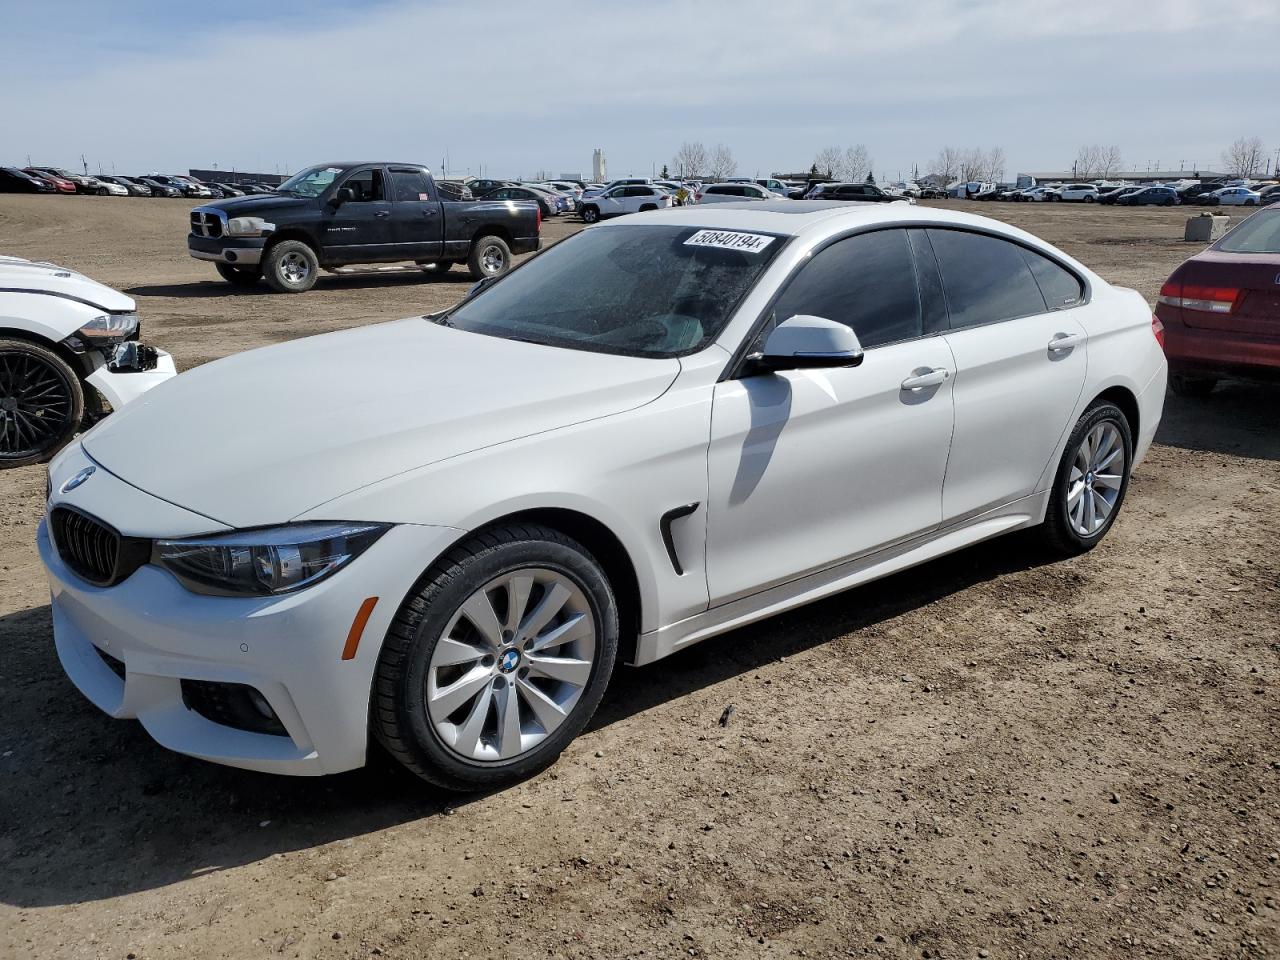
512	88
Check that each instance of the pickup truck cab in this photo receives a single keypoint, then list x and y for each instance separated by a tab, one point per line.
337	214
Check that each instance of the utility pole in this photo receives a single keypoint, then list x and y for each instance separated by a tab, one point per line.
84	164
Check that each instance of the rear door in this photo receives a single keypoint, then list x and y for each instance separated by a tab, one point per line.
359	230
417	222
1020	353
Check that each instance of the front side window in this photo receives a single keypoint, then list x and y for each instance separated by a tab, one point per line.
986	279
866	282
366	186
310	182
647	291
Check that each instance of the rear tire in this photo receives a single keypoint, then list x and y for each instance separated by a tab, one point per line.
1092	479
490	257
437	644
290	266
41	403
239	276
1194	388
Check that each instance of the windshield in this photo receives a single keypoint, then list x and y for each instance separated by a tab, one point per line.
649	291
310	182
1259	234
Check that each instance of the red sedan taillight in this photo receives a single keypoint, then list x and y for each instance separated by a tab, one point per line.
1194	297
539	224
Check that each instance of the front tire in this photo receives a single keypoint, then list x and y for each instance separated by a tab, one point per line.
239	276
497	661
590	214
490	257
41	403
1092	479
290	267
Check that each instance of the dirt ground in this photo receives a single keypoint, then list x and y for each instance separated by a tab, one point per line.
991	756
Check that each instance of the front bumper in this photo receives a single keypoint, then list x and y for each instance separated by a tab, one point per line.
288	648
241	251
120	386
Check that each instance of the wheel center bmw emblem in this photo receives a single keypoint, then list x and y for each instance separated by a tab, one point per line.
78	479
509	661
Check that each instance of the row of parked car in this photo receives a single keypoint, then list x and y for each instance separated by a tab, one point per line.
1210	193
58	180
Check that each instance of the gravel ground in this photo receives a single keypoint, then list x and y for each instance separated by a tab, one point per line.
994	755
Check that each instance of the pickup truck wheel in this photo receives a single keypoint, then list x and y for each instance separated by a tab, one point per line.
239	276
291	267
590	214
41	403
490	257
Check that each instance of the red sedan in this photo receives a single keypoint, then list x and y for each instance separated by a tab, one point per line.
1221	309
62	186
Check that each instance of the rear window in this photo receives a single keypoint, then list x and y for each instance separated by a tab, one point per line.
1258	234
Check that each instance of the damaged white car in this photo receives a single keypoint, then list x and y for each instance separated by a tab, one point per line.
67	345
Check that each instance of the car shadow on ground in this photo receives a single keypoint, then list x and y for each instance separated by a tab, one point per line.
93	809
1239	418
371	280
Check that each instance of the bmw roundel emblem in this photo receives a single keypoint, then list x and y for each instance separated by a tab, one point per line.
509	661
78	479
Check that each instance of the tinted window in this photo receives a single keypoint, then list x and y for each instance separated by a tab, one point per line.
867	282
1259	234
1059	285
985	279
409	185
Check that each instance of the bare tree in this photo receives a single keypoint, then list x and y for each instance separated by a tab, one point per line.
946	165
1110	160
830	162
972	163
723	165
856	163
1245	157
993	165
690	160
1086	162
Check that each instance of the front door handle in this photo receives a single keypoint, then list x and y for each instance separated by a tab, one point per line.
1065	341
382	213
928	377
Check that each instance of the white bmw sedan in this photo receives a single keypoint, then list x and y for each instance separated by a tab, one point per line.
443	533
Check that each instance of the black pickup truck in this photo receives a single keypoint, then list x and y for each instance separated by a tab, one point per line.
336	214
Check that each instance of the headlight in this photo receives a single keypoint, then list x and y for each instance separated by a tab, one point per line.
265	562
248	227
108	328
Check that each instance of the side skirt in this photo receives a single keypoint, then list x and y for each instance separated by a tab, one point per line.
665	641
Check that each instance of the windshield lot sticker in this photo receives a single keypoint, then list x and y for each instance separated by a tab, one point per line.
726	240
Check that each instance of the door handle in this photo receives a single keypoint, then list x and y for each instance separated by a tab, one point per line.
930	378
1065	341
382	213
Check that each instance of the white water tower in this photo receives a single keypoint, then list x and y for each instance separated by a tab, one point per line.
599	171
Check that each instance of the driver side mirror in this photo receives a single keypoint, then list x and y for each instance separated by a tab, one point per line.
805	342
344	195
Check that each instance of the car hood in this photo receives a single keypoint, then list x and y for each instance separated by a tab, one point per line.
253	204
264	436
51	279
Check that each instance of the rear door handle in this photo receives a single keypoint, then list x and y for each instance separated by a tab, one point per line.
382	213
931	377
1065	341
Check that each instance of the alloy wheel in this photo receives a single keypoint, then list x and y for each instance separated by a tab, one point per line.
294	268
35	405
492	260
511	664
1096	479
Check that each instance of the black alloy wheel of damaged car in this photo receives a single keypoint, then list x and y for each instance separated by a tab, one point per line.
41	403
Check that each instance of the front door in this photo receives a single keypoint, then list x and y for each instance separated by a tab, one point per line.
809	468
1020	355
417	224
359	230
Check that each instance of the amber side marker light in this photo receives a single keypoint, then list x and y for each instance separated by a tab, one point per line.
357	628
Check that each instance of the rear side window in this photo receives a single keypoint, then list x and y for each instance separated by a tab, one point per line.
986	279
409	185
1061	288
867	282
1259	234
